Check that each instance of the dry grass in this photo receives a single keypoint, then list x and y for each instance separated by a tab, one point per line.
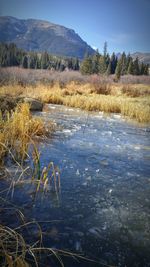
16	252
129	100
138	90
13	248
17	129
95	94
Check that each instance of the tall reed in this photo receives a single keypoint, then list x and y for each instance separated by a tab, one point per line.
16	129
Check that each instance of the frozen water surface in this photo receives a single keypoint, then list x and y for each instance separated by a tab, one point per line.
103	210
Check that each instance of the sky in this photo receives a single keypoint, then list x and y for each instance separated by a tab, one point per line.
123	24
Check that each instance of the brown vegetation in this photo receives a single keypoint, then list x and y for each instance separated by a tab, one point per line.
94	93
16	131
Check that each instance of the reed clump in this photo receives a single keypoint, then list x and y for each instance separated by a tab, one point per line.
16	130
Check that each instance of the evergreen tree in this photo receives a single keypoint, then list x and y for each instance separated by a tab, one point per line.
62	67
128	58
25	62
102	65
123	64
76	65
146	69
142	69
136	69
58	64
105	49
118	69
70	64
44	60
87	66
130	69
95	60
113	61
32	62
109	71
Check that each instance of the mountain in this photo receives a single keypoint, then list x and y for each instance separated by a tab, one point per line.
39	35
143	57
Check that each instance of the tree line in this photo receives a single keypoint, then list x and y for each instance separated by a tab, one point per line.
11	55
106	64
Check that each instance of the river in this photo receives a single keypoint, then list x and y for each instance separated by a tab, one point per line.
103	208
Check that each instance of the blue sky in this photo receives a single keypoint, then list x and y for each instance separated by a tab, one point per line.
124	24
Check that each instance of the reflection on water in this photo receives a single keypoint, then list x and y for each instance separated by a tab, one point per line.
103	209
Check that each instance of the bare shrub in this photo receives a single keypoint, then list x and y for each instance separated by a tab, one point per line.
131	79
101	84
16	75
104	89
96	79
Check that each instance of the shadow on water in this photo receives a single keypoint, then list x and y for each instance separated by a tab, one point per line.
103	209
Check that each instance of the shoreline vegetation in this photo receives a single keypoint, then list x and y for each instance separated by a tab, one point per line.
130	96
17	130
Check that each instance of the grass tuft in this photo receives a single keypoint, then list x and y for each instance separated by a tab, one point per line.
16	129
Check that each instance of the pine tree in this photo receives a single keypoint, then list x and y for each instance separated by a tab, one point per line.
128	58
70	64
76	64
130	69
113	63
102	65
118	69
108	71
123	64
146	69
25	62
105	49
142	68
86	66
95	60
44	60
136	69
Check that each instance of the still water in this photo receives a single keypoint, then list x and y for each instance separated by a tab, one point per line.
103	209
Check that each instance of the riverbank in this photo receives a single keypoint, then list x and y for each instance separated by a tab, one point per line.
131	100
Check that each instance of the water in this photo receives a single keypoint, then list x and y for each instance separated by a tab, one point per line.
103	209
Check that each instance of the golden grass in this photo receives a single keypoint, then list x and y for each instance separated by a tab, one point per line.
130	100
17	129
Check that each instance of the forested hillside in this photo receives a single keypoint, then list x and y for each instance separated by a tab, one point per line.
10	55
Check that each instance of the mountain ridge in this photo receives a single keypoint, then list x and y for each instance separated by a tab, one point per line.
40	35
